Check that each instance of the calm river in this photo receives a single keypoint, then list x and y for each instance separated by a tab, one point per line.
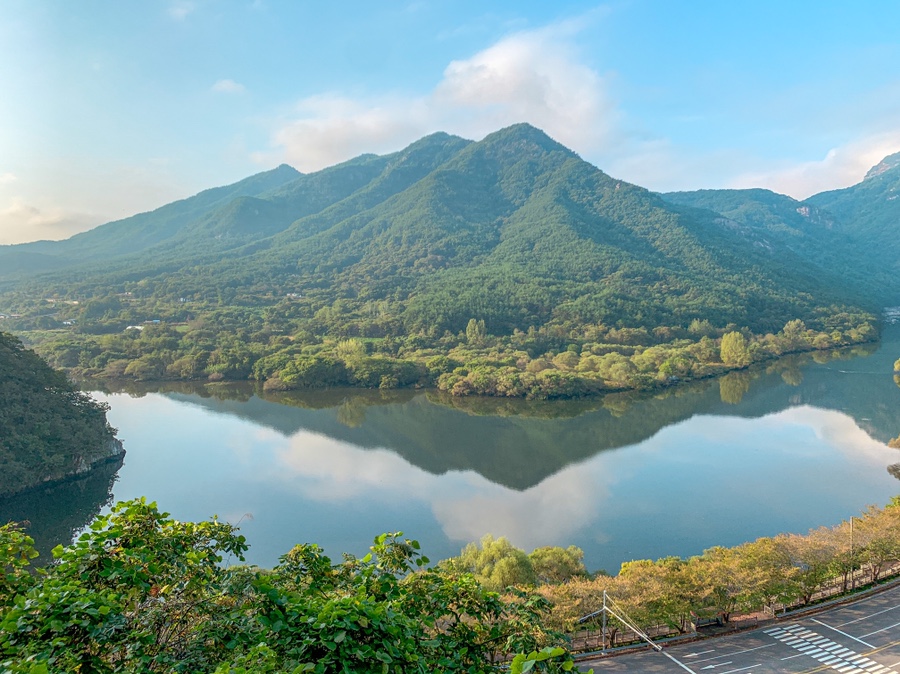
789	447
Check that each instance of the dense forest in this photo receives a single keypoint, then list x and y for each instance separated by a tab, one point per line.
141	592
49	430
506	267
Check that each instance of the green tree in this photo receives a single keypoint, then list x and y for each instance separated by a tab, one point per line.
557	565
140	592
475	332
496	563
734	350
794	334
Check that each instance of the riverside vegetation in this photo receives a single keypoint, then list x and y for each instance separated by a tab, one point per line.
541	363
506	267
140	592
50	429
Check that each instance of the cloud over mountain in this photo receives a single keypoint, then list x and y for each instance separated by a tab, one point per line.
533	76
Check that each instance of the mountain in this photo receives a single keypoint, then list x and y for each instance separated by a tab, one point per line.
428	249
852	231
800	227
143	230
515	229
773	213
887	164
869	212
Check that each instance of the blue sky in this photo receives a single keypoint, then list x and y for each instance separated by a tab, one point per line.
111	108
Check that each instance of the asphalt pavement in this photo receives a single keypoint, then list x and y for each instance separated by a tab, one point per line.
858	638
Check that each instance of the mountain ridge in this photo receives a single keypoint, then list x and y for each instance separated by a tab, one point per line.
513	240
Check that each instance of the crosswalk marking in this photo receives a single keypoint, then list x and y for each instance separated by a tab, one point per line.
826	651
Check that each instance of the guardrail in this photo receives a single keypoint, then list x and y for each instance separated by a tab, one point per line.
592	641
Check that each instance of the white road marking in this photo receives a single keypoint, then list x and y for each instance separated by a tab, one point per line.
850	636
871	615
884	629
721	664
828	652
730	671
694	655
678	662
728	655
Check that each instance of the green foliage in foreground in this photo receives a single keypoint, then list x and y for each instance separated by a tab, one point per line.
140	592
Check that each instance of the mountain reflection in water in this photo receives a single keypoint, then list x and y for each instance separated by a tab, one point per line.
796	444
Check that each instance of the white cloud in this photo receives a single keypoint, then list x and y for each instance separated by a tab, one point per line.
58	198
550	513
843	433
332	128
533	76
7	178
228	87
841	167
537	76
180	9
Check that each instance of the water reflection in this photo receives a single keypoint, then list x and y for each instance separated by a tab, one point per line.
52	515
708	480
783	447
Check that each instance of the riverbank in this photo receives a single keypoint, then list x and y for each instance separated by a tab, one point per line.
523	365
113	455
51	430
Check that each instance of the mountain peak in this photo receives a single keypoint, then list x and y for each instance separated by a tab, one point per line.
890	162
524	133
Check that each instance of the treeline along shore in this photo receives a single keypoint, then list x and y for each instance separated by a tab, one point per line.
539	364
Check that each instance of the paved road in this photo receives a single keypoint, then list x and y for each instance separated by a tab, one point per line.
862	638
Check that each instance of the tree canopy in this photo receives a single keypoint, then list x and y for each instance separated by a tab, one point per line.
141	592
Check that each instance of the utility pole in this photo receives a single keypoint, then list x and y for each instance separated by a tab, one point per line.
603	629
852	559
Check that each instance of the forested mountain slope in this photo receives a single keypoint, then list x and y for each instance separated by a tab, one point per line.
441	245
805	230
48	429
137	232
869	212
515	230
